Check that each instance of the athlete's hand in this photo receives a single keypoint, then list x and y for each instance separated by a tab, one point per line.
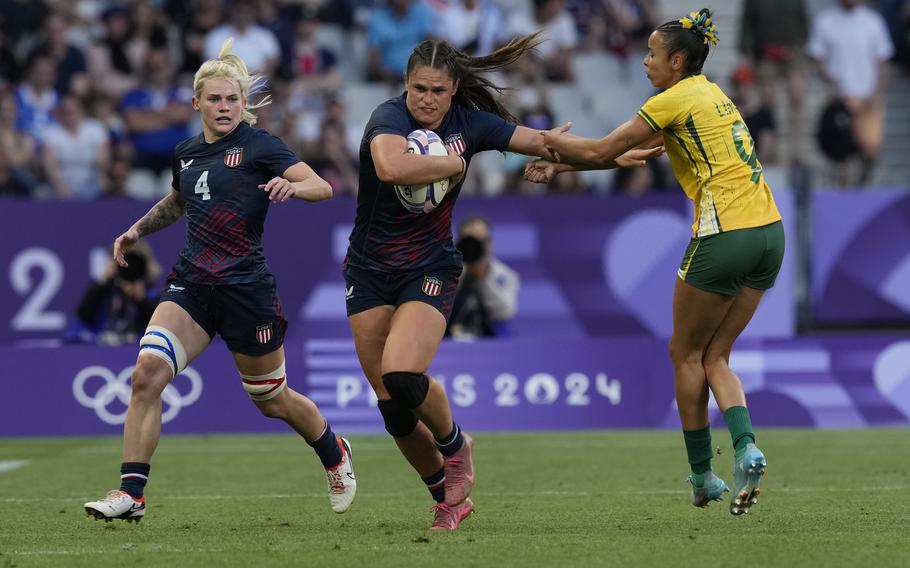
550	135
540	171
279	189
124	243
456	179
638	157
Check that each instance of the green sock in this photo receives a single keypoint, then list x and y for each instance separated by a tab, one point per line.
740	425
698	448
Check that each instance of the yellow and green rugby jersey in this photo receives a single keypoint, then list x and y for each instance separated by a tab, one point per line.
713	156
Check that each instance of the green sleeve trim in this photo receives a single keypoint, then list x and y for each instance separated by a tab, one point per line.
651	122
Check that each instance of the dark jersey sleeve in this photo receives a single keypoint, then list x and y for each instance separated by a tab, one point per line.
175	169
271	154
388	118
490	132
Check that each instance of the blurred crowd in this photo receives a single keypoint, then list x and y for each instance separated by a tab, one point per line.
95	94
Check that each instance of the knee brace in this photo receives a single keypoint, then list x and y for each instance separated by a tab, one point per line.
399	421
164	344
407	389
265	387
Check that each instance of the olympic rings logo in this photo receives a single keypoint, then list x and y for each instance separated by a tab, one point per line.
116	387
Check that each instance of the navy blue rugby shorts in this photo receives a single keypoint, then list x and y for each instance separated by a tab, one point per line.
249	317
433	285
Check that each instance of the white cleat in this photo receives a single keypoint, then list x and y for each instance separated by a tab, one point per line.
341	481
117	505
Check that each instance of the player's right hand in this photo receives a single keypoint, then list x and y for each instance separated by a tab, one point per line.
123	243
540	171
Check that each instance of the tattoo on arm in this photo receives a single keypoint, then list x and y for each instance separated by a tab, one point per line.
163	214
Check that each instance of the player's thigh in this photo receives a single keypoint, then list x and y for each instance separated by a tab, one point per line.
416	331
257	365
370	328
177	320
738	317
697	315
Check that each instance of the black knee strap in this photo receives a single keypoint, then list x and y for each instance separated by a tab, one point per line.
407	389
399	421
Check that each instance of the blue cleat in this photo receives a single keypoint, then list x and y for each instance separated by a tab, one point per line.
712	488
747	473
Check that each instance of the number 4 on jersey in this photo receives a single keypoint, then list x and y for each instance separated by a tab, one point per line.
202	186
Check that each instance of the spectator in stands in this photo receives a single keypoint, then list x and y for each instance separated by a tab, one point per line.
9	67
472	26
12	183
17	145
196	18
255	44
395	28
118	178
157	116
113	62
773	38
850	42
756	113
897	15
494	283
314	67
630	23
68	60
116	308
76	152
554	56
334	162
36	96
148	27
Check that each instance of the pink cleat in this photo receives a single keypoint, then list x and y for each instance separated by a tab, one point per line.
448	518
459	470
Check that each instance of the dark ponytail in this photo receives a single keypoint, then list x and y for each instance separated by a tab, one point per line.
693	35
474	90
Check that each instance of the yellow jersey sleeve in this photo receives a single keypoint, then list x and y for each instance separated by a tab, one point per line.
664	110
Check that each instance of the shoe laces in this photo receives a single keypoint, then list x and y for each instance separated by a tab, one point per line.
112	495
336	480
444	516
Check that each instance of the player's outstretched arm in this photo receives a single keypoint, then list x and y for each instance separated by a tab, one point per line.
298	181
161	215
597	154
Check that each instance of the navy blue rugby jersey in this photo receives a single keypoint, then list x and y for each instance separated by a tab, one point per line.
387	236
225	209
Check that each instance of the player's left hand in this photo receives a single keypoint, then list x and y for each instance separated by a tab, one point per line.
279	189
638	157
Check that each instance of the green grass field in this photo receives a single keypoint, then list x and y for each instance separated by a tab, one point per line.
831	498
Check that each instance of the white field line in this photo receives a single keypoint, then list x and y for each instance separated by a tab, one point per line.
523	494
9	465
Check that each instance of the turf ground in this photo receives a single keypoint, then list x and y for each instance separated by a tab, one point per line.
831	498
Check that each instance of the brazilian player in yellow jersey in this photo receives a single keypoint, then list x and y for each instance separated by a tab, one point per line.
737	241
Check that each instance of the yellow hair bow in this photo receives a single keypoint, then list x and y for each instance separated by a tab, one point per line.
702	25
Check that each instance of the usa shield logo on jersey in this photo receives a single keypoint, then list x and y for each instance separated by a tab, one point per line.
432	286
233	157
456	143
264	333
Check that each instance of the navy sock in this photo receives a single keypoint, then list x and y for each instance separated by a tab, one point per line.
450	443
133	477
436	485
327	448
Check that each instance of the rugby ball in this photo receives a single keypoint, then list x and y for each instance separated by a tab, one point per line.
423	198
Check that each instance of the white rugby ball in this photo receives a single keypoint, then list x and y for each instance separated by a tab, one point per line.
423	198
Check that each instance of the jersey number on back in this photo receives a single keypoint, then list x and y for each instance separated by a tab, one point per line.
202	186
740	136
